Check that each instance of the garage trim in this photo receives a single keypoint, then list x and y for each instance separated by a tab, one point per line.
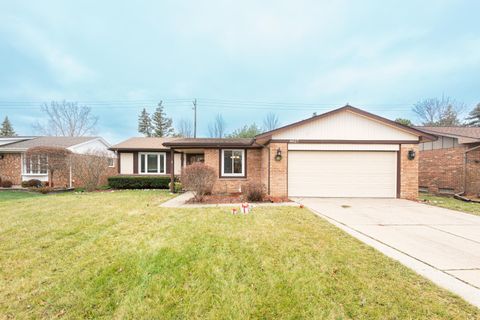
343	147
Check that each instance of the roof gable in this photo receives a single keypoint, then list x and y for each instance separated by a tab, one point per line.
347	123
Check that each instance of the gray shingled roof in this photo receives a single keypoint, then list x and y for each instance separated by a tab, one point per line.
143	143
464	134
209	142
61	142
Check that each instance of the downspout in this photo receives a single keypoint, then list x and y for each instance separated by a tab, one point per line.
70	176
172	171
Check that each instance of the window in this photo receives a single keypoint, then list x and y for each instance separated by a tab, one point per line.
35	165
152	163
233	163
111	162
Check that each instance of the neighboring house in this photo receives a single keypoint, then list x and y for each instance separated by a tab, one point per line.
452	163
17	167
346	152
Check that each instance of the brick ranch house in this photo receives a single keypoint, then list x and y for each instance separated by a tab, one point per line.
346	152
17	167
450	164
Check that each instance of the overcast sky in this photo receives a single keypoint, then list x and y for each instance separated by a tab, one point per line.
242	59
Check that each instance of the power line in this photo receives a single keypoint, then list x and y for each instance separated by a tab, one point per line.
206	102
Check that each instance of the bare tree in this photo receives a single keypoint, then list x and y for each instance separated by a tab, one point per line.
270	122
217	128
67	119
184	128
91	167
57	159
439	112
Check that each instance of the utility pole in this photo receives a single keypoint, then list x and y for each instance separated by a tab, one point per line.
194	118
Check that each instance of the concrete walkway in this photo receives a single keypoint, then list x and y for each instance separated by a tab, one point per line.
180	202
440	244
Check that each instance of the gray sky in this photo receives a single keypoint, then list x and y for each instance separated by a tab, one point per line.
242	59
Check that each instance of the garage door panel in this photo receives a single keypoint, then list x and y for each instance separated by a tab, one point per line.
342	174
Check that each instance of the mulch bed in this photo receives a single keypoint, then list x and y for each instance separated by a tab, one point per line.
230	198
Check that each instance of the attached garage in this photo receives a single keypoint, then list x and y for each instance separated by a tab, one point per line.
346	152
342	174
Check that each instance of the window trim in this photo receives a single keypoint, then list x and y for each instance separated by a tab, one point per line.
139	169
24	167
243	174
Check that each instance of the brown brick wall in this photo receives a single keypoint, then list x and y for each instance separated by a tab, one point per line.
278	170
442	168
445	169
408	172
232	185
473	173
264	167
11	167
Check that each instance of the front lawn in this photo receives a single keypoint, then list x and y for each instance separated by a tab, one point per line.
15	195
119	255
451	203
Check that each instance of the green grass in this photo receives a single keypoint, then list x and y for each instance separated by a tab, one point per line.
119	255
16	195
451	203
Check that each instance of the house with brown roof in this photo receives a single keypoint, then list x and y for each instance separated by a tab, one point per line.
346	152
451	164
16	166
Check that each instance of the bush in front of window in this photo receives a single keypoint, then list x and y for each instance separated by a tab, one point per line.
6	184
119	182
198	178
254	191
32	183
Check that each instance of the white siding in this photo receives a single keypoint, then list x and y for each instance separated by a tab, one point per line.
92	146
345	147
342	174
345	125
126	163
178	164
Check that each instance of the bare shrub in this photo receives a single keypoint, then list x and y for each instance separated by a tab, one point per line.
58	159
6	184
91	167
254	191
198	178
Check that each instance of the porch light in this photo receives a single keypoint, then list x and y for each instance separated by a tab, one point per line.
278	156
411	154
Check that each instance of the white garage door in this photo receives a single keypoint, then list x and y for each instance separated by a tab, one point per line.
342	174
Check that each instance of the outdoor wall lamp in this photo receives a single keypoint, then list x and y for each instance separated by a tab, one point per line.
1	156
411	154
278	156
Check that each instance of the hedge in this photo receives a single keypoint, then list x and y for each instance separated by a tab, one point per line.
141	182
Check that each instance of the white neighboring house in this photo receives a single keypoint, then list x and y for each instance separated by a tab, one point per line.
15	166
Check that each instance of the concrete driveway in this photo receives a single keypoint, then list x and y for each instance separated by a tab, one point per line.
441	244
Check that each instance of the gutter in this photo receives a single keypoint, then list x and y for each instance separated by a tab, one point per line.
11	150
